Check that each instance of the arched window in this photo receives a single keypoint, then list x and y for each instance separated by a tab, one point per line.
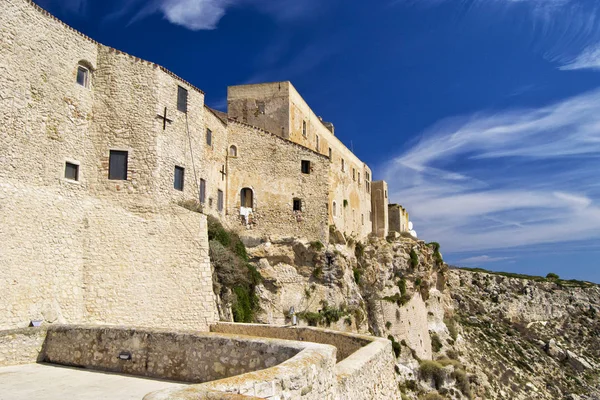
84	70
232	151
247	198
334	208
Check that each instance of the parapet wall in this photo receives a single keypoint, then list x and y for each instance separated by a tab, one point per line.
179	356
365	364
21	346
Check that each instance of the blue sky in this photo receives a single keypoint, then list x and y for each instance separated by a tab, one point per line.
482	115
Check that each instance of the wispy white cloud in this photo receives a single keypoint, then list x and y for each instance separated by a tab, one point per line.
206	14
565	32
588	59
482	260
515	178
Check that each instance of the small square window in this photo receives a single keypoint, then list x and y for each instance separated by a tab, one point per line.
117	165
297	205
305	167
182	99
72	171
83	76
208	137
178	179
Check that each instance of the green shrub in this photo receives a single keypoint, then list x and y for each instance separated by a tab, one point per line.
312	318
395	346
436	343
388	325
317	272
217	232
317	245
414	258
345	203
418	282
357	275
359	250
232	270
452	328
432	370
402	286
552	276
437	256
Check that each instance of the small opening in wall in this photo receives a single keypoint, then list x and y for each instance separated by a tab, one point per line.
182	99
233	151
246	198
117	165
178	179
83	76
304	128
72	171
305	167
297	205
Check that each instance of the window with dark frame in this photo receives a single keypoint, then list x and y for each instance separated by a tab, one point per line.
182	99
220	200
317	142
304	128
178	178
72	171
297	205
83	77
202	191
305	167
330	154
208	137
117	165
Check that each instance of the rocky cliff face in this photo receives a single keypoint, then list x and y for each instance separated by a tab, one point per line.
457	334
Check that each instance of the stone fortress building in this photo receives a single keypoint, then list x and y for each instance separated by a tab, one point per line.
100	152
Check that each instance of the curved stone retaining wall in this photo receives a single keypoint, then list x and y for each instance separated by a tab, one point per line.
365	368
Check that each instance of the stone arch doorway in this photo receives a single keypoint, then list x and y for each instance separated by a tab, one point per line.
247	198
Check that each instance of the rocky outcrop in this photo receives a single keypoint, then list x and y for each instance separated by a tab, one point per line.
458	334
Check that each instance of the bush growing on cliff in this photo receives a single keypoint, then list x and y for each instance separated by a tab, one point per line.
437	256
317	245
432	370
359	250
553	276
436	343
232	270
357	275
414	258
395	346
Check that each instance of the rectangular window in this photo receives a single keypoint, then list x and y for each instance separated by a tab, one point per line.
82	76
353	173
178	180
117	165
305	167
208	137
304	128
343	166
220	200
182	99
330	154
362	218
317	142
72	171
297	205
359	178
202	191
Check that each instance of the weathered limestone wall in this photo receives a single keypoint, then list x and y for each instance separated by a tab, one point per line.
279	108
180	356
262	156
95	250
409	323
379	200
66	257
398	218
21	346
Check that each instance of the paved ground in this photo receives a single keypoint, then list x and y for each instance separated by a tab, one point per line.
49	382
